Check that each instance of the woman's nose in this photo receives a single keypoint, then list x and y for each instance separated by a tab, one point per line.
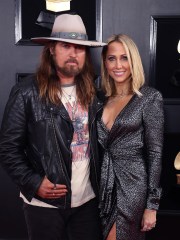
118	63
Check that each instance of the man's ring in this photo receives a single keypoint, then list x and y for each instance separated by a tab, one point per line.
54	186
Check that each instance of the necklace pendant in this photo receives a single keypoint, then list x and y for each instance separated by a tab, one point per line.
73	119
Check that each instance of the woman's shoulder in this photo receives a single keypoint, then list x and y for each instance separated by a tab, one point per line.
148	91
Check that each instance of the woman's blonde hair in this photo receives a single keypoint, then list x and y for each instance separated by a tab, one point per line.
134	59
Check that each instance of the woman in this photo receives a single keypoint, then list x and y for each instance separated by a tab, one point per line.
130	133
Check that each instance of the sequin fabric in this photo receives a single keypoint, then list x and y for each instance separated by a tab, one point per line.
131	164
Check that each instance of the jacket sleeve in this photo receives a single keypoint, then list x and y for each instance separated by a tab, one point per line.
13	141
153	119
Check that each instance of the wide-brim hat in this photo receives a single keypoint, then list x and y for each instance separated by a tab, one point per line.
69	28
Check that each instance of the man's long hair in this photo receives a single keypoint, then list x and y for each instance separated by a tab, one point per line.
49	82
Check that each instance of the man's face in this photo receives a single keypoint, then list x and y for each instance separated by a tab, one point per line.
69	58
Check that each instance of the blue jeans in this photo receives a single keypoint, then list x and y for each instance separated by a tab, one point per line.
80	223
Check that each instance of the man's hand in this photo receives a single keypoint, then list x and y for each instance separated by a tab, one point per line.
50	190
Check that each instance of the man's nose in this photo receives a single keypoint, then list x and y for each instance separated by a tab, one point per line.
72	51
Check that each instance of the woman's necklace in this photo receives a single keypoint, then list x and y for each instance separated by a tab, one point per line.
117	97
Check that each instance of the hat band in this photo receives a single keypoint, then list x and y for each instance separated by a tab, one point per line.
70	35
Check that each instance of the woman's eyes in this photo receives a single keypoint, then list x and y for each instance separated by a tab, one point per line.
111	58
122	58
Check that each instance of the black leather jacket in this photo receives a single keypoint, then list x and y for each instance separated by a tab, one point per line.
35	141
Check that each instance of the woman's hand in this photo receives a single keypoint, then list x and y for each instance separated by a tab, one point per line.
149	220
50	190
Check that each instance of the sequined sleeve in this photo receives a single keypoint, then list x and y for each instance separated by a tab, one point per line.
153	120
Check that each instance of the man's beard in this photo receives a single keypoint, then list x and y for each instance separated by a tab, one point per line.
69	70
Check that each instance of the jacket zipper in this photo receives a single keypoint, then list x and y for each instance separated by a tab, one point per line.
53	125
92	151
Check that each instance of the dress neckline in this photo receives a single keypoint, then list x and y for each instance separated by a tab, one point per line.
119	114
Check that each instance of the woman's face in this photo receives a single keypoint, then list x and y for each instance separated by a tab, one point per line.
117	63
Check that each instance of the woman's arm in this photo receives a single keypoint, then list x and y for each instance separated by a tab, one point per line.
153	120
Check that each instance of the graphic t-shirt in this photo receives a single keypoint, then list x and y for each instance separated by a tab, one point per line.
80	184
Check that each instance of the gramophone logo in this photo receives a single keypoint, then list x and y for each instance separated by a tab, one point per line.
58	5
47	17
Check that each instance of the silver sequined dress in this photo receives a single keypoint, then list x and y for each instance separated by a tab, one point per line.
131	164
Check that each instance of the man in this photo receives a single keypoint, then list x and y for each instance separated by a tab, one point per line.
48	138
